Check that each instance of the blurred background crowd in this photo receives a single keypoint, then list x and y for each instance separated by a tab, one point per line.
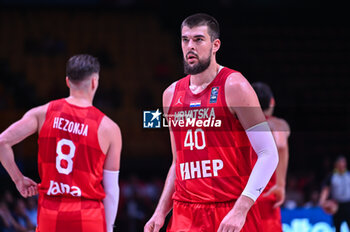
300	48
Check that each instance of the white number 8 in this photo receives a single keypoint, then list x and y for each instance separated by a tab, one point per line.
67	157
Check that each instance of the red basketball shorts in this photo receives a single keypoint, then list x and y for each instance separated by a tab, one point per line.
270	217
189	217
57	214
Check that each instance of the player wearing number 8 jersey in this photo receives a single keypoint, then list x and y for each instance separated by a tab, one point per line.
78	158
216	124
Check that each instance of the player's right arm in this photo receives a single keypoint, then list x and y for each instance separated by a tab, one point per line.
110	141
29	124
165	202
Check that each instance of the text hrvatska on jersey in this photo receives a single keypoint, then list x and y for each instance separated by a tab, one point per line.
204	117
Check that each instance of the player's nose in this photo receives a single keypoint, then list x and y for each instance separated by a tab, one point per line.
190	44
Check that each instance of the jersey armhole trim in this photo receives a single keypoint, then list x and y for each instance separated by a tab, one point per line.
47	114
98	128
173	97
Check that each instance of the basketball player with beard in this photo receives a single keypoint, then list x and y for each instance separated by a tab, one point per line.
213	183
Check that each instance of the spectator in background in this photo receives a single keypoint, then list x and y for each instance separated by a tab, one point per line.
5	224
294	196
21	216
9	214
140	197
32	210
335	193
312	199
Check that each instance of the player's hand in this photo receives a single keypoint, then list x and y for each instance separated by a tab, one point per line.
27	187
232	222
155	223
279	192
330	207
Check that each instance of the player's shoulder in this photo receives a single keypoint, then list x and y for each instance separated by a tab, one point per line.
168	94
237	82
38	110
170	88
109	129
239	92
279	123
51	104
108	124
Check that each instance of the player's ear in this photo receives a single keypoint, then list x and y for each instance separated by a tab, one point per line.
94	81
272	102
67	82
216	45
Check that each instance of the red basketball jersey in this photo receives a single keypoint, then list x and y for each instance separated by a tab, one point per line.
70	158
214	155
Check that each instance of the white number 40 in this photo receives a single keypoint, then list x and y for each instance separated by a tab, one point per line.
67	157
191	139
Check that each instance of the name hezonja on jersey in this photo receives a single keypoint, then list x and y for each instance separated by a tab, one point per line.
70	126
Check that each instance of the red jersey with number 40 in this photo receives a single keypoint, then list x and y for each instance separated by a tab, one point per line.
70	158
214	155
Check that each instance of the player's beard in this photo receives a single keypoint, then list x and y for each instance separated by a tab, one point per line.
197	68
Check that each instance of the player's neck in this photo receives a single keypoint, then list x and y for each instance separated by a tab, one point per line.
269	112
204	78
80	99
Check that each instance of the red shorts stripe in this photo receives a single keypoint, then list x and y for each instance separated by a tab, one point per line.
189	217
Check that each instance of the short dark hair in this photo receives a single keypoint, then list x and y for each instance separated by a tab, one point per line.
264	93
81	66
340	157
202	19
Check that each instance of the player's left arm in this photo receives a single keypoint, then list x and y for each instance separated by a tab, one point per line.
18	131
243	102
281	132
110	140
